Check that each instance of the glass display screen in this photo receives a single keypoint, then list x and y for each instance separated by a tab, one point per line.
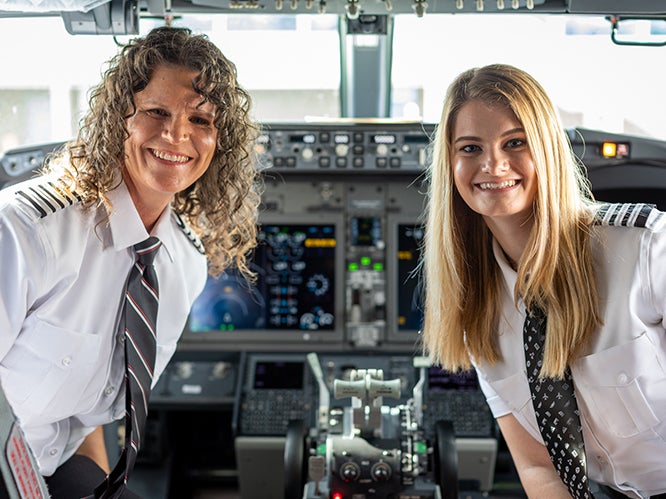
410	311
278	375
294	290
365	231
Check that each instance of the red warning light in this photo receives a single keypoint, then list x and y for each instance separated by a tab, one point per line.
336	495
622	150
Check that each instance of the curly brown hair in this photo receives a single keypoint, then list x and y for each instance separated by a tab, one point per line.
221	206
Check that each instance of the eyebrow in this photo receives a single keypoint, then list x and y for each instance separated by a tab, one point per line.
504	134
198	108
210	114
202	103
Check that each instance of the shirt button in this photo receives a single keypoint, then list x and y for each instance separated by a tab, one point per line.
121	338
53	452
109	390
66	361
622	378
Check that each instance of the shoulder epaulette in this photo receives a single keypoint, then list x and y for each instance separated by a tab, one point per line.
625	214
194	239
46	197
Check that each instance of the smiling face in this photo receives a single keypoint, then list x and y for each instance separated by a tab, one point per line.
171	142
492	164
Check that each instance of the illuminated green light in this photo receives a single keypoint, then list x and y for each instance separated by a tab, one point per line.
365	261
353	267
378	266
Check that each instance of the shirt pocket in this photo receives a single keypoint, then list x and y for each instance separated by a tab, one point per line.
47	368
616	384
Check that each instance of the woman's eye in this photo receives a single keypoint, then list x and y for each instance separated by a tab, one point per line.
469	148
200	121
157	112
516	143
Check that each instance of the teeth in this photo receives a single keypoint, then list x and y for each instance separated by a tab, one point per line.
501	185
170	157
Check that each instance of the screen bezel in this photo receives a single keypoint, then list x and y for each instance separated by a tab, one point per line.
243	338
395	335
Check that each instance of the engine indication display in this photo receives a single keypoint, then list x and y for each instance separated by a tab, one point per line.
410	314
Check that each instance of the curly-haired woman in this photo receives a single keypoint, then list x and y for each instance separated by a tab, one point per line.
165	151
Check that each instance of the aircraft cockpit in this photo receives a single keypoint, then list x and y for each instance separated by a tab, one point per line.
310	382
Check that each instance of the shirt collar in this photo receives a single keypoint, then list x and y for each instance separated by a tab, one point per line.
126	226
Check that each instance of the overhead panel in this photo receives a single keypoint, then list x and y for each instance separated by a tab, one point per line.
367	7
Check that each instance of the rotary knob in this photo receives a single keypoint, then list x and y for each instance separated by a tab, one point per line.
381	472
350	471
341	149
184	369
307	153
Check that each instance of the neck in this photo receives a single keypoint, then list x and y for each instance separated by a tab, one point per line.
511	236
148	207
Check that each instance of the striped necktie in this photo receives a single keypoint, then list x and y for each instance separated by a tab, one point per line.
556	410
141	300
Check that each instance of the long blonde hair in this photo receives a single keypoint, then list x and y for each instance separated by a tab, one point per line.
221	206
555	272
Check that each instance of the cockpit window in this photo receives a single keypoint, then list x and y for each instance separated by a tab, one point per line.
292	67
290	64
595	83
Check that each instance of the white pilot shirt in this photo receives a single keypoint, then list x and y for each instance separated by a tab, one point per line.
63	275
620	380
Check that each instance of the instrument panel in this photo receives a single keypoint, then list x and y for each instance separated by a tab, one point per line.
340	233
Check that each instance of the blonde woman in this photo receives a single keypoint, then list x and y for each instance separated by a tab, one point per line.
512	231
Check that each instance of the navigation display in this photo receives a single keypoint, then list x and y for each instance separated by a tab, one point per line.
294	290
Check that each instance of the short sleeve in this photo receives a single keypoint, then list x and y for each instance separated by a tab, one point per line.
22	261
497	406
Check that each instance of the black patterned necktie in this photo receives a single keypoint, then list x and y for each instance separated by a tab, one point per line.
141	300
556	410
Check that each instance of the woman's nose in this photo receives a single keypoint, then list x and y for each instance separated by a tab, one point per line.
177	129
495	163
